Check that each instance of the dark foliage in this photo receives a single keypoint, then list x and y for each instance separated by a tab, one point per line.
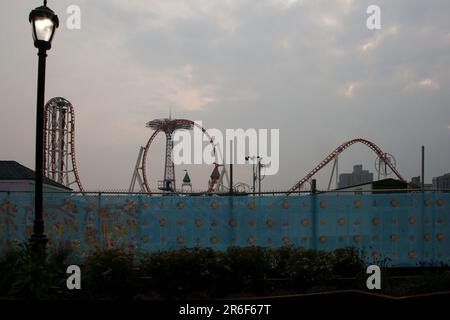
25	276
199	273
109	274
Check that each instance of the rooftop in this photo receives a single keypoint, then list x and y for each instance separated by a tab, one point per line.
12	170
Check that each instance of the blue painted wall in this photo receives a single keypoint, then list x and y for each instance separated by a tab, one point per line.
401	229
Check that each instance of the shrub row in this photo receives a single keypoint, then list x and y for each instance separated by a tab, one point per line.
180	274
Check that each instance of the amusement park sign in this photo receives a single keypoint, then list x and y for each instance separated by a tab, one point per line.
207	147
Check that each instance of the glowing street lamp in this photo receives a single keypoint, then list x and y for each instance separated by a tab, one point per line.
43	22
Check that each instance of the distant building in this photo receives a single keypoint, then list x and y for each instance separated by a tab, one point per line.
15	177
380	186
416	183
357	177
442	182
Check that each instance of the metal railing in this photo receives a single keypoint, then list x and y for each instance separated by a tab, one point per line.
205	193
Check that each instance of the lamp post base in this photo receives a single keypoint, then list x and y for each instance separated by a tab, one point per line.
38	245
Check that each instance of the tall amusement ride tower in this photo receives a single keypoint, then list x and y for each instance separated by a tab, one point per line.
59	143
168	127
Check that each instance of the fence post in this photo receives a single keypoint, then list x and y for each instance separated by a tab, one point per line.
314	213
101	228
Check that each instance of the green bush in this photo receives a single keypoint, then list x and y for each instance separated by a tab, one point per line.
307	268
281	258
249	268
199	273
184	273
23	275
348	262
109	274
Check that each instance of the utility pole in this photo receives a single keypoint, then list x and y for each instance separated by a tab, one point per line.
423	168
259	176
313	186
247	158
231	167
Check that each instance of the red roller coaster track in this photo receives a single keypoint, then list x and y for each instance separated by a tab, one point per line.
59	143
336	152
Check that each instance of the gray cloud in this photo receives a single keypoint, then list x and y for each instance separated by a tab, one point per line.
299	66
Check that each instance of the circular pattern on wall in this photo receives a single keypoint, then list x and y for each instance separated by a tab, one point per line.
198	223
394	237
180	205
180	240
214	204
214	240
376	221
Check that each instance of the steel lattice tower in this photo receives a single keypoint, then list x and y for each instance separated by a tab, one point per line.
168	126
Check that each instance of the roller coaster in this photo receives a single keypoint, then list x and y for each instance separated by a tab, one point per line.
215	182
59	143
381	155
60	160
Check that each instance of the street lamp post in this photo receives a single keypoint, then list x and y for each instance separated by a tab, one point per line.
44	23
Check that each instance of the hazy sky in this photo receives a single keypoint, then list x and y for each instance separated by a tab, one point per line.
310	68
